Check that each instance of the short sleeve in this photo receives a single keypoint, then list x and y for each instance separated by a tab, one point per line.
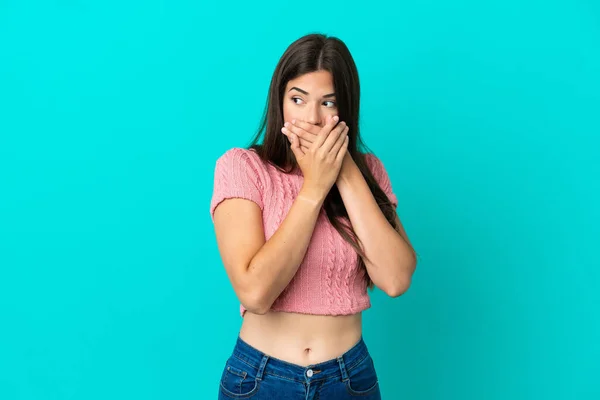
236	176
381	176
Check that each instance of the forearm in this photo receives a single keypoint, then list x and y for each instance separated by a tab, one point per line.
391	260
276	263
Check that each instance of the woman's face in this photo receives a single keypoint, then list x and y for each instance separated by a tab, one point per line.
310	98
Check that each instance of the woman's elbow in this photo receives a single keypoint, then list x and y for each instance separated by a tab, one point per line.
396	291
397	287
256	308
255	302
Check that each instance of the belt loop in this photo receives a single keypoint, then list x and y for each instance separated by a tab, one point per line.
261	368
340	361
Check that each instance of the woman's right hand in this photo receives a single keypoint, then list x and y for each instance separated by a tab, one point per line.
321	163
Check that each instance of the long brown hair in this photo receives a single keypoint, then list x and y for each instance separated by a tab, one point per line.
310	53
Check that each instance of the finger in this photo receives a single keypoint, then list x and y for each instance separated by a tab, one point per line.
307	126
287	134
324	132
288	138
333	137
303	142
286	131
340	142
296	147
301	133
343	150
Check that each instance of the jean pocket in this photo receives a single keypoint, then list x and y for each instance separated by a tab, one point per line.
238	381
362	379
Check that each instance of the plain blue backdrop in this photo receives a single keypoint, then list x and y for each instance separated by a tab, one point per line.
112	115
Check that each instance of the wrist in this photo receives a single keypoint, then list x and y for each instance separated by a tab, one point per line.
312	195
348	171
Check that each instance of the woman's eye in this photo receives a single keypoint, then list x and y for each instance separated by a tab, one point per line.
328	104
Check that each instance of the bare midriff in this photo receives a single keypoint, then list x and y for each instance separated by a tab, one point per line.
301	339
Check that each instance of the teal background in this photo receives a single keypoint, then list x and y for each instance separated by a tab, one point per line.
112	115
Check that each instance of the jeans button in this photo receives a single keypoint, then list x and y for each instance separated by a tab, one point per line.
309	373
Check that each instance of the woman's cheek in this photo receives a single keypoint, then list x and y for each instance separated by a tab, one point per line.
287	115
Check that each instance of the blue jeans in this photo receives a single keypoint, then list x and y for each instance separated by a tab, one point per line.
251	374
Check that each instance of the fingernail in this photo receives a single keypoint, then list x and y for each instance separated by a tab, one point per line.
293	121
287	124
336	118
283	130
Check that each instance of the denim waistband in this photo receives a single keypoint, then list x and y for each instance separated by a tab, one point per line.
265	364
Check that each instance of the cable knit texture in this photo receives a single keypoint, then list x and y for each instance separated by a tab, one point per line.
328	281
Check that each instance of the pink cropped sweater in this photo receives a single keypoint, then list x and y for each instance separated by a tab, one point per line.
328	281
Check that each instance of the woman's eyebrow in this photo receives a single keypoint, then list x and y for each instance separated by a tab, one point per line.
306	93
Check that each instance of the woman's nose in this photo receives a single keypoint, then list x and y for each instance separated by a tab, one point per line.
314	115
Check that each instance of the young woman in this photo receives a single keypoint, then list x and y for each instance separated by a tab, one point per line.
305	223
